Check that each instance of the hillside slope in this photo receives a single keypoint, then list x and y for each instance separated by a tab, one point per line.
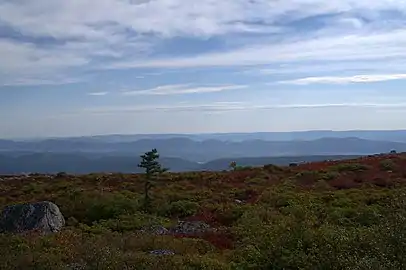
324	215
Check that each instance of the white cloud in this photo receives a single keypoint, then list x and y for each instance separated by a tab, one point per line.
119	34
181	89
371	46
26	58
389	65
98	94
346	80
39	81
219	107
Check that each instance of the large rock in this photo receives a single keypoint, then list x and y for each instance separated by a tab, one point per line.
44	217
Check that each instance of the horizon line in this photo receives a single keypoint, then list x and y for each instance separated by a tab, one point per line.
199	134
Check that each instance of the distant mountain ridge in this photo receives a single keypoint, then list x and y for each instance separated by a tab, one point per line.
120	153
207	150
380	135
82	164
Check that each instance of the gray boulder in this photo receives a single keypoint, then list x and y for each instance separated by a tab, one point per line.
44	217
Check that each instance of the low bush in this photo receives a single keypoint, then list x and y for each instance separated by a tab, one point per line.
387	165
180	209
350	167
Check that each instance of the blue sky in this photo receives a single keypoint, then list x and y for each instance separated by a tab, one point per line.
71	68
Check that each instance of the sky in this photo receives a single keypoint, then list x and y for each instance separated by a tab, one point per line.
85	67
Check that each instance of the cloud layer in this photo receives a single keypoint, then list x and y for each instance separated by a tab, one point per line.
183	89
43	40
346	80
219	107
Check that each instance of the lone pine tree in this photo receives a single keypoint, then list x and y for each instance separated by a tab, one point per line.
149	162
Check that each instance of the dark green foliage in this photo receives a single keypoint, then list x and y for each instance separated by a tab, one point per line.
94	207
387	165
328	176
61	174
149	161
180	209
308	174
151	164
350	167
233	165
273	168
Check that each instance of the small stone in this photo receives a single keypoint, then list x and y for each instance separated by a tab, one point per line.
76	266
155	230
162	252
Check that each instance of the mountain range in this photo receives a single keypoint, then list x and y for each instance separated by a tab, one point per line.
52	163
207	150
120	153
380	135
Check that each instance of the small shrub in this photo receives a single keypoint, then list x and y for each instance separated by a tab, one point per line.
328	176
272	168
322	185
61	175
387	165
94	207
229	215
308	174
181	209
245	194
350	167
244	168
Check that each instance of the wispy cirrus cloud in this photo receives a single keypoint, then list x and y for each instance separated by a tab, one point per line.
392	65
15	82
224	107
183	89
362	47
346	80
26	64
98	93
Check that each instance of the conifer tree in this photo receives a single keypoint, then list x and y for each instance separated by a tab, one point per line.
149	162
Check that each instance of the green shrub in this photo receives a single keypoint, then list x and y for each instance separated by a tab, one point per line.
230	214
350	167
328	176
95	207
387	165
273	168
180	209
314	175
